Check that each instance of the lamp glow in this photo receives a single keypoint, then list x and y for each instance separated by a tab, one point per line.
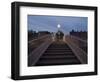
58	25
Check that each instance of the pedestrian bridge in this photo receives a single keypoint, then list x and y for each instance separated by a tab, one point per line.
48	51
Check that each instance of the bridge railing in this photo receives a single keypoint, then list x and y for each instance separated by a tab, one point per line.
78	46
37	53
33	44
39	38
79	42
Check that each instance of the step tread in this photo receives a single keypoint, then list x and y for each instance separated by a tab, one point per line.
57	53
59	56
59	61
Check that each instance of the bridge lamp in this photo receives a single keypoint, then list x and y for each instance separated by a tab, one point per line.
37	33
58	26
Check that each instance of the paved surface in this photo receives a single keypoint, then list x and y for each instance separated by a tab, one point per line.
58	53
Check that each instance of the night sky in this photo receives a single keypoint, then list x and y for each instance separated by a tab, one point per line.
49	23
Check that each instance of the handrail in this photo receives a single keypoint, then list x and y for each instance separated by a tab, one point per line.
78	38
80	54
38	38
80	42
36	54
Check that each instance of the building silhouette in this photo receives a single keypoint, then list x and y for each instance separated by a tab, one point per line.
80	34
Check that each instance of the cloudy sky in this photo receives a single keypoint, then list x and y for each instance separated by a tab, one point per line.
49	23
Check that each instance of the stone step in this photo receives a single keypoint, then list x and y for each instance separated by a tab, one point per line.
58	56
61	61
49	50
58	48
58	53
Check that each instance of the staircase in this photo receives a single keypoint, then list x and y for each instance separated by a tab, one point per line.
58	53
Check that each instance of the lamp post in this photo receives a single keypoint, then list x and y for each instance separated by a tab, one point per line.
58	26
